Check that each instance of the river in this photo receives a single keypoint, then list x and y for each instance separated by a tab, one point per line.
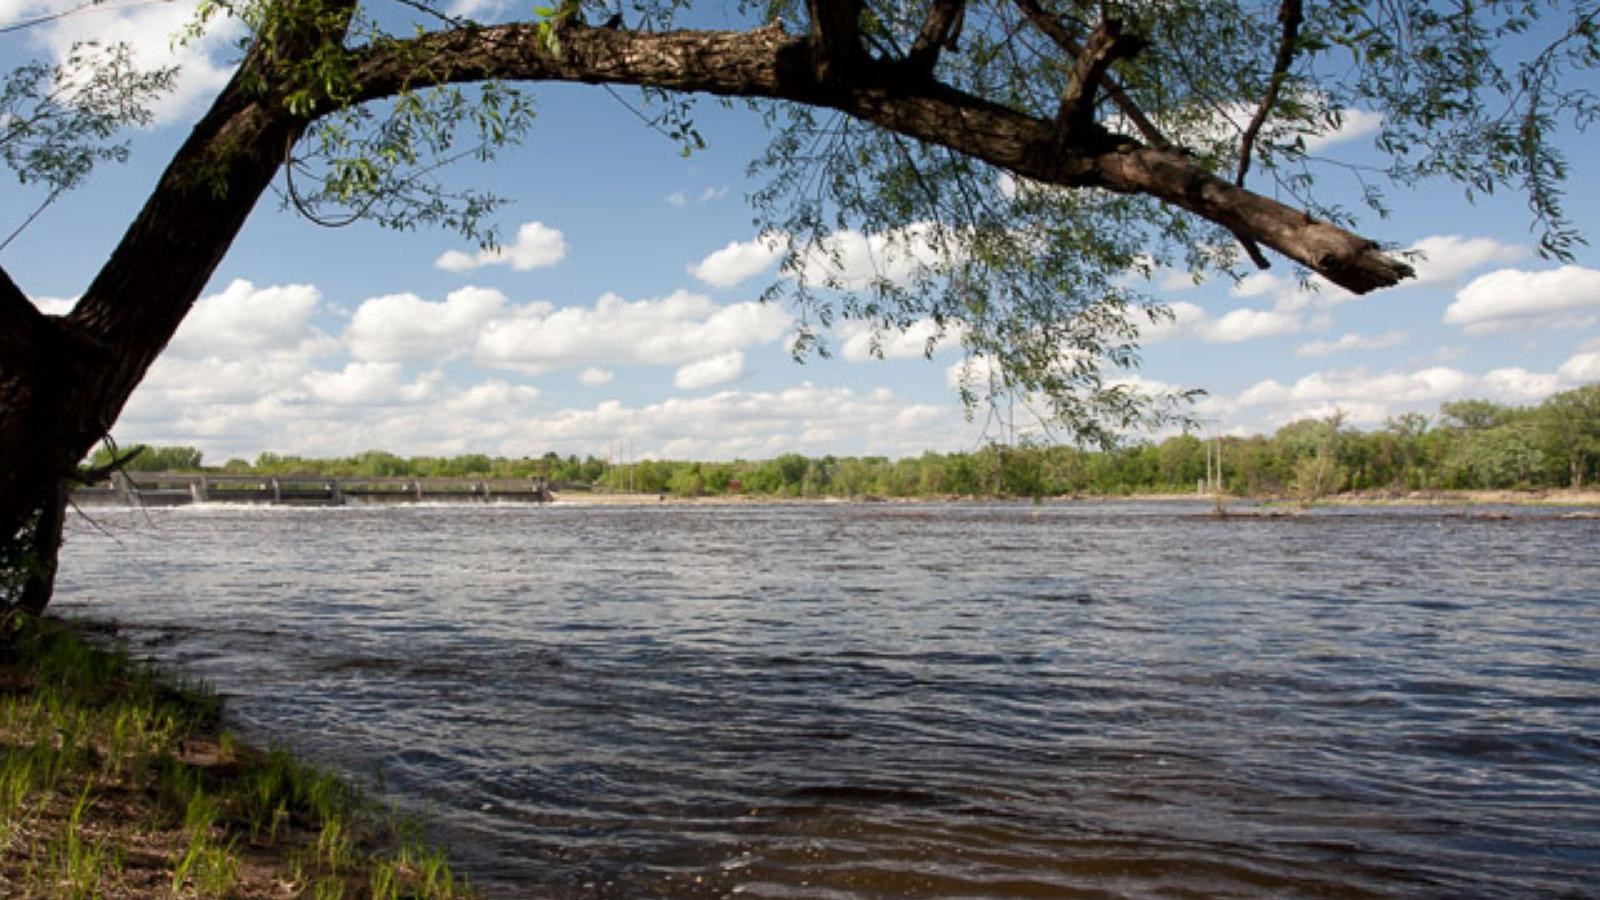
878	700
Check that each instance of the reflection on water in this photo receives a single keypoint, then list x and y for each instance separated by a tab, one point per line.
848	701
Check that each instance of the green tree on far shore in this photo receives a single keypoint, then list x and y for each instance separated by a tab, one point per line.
1554	444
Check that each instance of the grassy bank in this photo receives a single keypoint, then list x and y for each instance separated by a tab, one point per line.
118	781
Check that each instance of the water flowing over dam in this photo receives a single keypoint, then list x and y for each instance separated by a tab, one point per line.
147	489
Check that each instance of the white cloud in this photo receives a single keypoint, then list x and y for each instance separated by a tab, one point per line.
1582	367
1173	280
1514	298
1351	341
1190	321
1258	284
244	319
1447	257
755	425
150	30
1250	324
1426	385
368	384
400	327
1520	385
477	10
593	377
738	261
677	199
1353	125
713	193
54	306
673	330
494	398
976	371
723	425
1211	126
853	261
710	372
1368	399
537	245
912	343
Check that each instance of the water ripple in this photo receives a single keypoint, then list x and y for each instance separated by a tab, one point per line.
1097	700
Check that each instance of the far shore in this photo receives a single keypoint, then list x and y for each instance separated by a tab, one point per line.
1556	497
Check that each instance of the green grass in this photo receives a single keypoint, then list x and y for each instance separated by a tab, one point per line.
118	781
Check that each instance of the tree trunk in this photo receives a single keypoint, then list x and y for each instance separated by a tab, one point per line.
41	582
64	380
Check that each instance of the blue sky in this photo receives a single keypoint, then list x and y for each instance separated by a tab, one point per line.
623	309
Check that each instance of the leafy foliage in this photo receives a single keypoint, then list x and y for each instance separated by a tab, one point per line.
57	122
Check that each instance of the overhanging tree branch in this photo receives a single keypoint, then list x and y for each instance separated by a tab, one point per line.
770	63
22	326
1107	43
835	35
940	29
1063	38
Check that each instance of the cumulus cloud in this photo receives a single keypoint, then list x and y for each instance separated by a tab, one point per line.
246	319
152	33
494	397
54	306
1258	284
710	372
1354	124
1191	321
1351	341
593	377
860	344
477	10
368	384
537	245
1250	324
1369	398
1515	298
1225	124
852	260
401	327
673	330
1582	367
1447	257
722	425
738	261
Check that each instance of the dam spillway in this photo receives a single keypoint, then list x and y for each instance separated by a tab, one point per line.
151	489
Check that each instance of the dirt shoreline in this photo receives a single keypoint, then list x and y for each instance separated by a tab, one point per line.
118	780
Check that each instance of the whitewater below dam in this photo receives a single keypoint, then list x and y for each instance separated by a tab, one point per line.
883	700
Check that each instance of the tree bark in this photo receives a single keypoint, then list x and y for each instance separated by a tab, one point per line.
41	581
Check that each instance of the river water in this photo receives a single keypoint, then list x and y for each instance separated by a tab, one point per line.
877	700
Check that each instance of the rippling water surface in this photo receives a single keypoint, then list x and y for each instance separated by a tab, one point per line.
873	700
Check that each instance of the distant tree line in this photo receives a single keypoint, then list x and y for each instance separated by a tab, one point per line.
1469	444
